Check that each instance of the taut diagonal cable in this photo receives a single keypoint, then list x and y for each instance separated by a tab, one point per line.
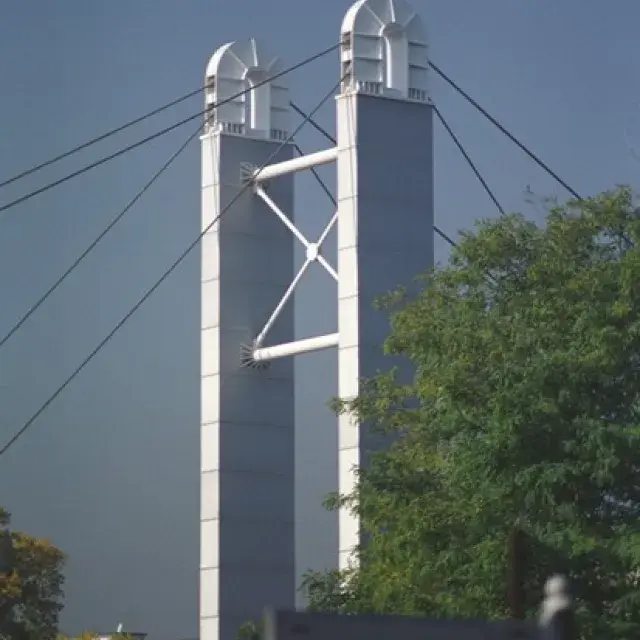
100	138
470	162
507	133
74	265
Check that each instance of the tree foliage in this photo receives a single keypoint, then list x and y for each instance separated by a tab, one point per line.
31	592
249	630
522	410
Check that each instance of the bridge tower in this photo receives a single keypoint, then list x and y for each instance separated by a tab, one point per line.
385	202
247	414
384	163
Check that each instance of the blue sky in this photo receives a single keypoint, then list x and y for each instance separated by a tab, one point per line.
562	76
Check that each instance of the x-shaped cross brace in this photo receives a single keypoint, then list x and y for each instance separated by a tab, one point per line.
313	255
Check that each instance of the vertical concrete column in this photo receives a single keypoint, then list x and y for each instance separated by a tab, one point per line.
247	416
385	202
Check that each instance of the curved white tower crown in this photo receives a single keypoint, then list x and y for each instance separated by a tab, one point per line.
384	50
260	113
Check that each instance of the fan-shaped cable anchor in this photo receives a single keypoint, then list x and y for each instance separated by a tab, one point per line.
248	361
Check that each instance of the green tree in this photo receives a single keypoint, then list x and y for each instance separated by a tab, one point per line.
522	410
31	592
249	631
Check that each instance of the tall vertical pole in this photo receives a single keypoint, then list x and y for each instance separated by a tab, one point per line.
516	597
247	414
385	202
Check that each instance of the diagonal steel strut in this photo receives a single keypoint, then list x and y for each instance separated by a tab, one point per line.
313	254
280	306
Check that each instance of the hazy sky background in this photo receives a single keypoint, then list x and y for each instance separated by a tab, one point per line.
115	458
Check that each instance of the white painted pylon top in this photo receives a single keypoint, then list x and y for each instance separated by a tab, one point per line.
384	50
262	112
